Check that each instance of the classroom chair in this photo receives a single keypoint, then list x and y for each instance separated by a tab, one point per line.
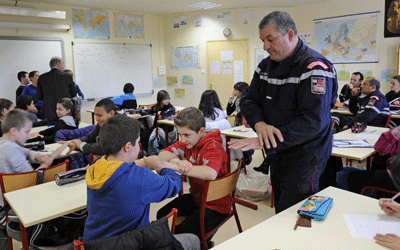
129	104
376	189
79	245
16	181
148	106
214	190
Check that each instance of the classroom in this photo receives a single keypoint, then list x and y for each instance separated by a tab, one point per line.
169	27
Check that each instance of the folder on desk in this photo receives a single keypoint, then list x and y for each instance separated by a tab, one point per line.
342	143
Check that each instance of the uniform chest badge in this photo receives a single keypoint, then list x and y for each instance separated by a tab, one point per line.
318	85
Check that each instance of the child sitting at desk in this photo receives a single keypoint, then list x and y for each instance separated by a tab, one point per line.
209	160
25	102
103	110
13	157
128	90
68	119
120	190
5	107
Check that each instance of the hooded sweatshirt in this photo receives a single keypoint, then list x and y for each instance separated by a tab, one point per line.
208	151
119	196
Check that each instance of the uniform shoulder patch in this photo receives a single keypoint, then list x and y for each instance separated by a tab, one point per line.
317	63
318	85
372	100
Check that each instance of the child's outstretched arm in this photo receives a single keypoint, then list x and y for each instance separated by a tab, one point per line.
47	159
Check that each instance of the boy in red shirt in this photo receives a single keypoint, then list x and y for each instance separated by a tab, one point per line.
209	161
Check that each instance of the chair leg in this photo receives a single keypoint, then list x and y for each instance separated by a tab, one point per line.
10	244
24	235
237	218
272	198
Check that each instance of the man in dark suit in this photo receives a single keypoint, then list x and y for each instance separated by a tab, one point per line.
54	85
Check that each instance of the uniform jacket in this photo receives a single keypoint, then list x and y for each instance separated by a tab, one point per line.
51	87
391	95
295	96
345	93
208	151
119	195
372	109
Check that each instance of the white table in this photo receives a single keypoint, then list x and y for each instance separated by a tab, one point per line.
49	148
278	231
37	204
38	129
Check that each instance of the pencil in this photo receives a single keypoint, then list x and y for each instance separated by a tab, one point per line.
298	220
373	131
394	197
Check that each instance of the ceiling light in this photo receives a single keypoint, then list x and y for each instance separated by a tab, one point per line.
204	5
32	12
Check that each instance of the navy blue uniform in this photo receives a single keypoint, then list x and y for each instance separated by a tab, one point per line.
294	96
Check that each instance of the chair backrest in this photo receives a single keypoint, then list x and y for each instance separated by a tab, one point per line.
388	121
78	245
16	181
129	104
148	106
52	171
224	186
172	219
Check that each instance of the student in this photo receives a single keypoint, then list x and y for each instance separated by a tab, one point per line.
23	81
25	102
13	157
120	190
355	82
209	161
212	111
78	90
165	109
394	90
233	108
5	107
391	241
68	119
31	90
103	110
128	90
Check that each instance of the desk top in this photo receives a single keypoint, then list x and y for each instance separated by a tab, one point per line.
49	148
346	111
38	129
166	121
331	233
47	201
357	153
233	132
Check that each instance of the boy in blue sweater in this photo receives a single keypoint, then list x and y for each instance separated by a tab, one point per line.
121	189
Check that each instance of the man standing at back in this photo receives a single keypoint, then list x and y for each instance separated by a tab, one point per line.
52	86
288	105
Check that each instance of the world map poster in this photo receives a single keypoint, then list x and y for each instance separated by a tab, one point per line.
348	39
89	24
129	25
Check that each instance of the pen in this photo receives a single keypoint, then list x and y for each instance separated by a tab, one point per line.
297	222
394	197
373	131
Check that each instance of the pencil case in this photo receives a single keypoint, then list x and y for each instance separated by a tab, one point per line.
316	207
70	176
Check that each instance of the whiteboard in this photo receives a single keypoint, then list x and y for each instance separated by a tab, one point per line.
101	70
25	54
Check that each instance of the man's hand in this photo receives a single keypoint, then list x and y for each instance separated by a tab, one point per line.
36	134
245	144
396	103
391	241
355	91
266	134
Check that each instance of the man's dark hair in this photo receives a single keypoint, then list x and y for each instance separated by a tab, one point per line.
21	74
281	20
16	118
374	81
192	118
397	78
359	74
4	104
23	101
116	132
54	61
107	104
128	88
32	73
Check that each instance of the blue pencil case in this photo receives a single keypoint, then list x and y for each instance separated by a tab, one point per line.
316	207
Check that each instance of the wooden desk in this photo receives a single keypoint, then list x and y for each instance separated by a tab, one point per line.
47	201
166	123
358	154
331	233
346	111
49	148
38	129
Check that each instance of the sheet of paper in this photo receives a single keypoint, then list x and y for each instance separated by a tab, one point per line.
367	226
215	68
238	78
368	136
342	143
226	68
226	55
238	67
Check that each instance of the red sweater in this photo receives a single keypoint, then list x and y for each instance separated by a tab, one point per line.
210	152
